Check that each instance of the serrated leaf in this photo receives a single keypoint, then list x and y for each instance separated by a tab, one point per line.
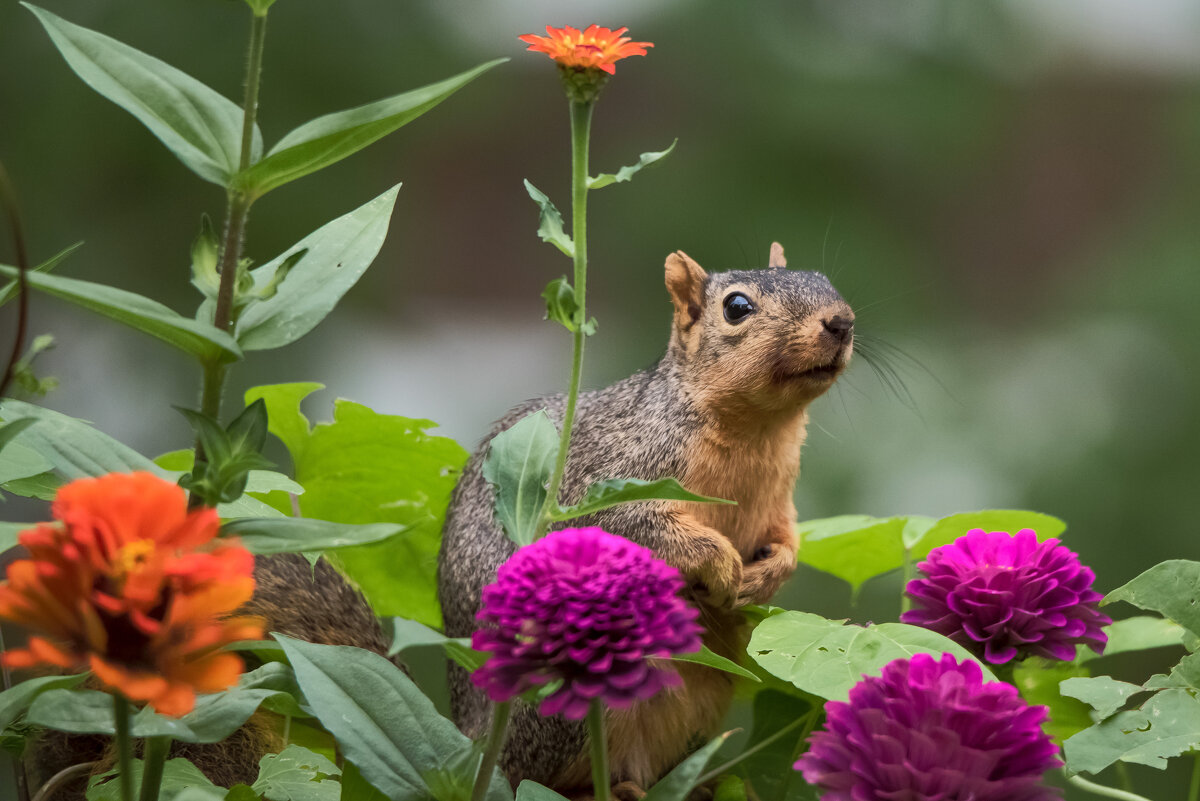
10	290
297	774
202	128
550	222
179	777
561	305
335	257
383	723
1165	726
214	718
139	313
827	657
331	138
679	783
304	535
1102	693
367	467
705	656
518	464
626	173
614	491
1170	588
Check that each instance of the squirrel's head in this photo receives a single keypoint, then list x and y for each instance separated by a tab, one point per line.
757	340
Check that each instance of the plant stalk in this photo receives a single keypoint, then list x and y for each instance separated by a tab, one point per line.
1194	788
581	127
1102	790
905	601
601	780
491	754
8	198
806	721
154	759
124	746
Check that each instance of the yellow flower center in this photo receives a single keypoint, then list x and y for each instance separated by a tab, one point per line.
133	556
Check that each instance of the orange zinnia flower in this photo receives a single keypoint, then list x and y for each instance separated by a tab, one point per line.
132	586
595	47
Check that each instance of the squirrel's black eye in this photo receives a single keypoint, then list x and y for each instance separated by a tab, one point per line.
737	307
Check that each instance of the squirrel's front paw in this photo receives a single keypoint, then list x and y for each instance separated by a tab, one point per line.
772	566
717	579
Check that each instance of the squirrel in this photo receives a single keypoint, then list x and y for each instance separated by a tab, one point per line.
724	411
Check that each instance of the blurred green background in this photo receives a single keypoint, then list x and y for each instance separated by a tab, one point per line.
1006	191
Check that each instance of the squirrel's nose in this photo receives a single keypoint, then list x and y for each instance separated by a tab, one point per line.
839	326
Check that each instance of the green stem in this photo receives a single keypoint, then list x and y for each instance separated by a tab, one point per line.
1100	789
154	758
238	210
905	601
124	746
600	776
1194	788
581	126
491	754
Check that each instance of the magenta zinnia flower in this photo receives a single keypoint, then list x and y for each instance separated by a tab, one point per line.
931	730
589	608
1004	597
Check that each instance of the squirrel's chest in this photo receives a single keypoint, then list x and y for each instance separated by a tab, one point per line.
759	473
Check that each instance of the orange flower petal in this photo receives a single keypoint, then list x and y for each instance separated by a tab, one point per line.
136	685
593	48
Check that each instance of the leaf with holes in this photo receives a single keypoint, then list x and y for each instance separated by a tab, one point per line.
1170	588
1165	726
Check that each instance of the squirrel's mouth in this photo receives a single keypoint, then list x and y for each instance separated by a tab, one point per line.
824	372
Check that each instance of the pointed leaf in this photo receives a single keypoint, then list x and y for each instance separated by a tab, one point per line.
15	700
518	465
301	535
626	173
1137	633
337	254
854	548
408	634
1103	693
550	222
705	656
179	776
677	784
1166	726
72	446
383	723
329	139
614	491
138	312
10	290
202	128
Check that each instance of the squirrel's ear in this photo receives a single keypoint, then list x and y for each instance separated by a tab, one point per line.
776	259
685	282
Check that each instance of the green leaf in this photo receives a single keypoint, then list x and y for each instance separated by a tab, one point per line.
854	548
1166	725
366	467
615	491
532	791
518	464
297	774
303	535
17	460
705	656
179	775
550	222
329	139
239	792
1103	693
827	657
769	771
408	634
259	7
198	125
948	529
626	173
731	788
335	257
8	537
1170	588
16	699
1138	633
72	446
677	784
214	718
383	723
43	486
10	290
356	788
562	307
1039	681
140	313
